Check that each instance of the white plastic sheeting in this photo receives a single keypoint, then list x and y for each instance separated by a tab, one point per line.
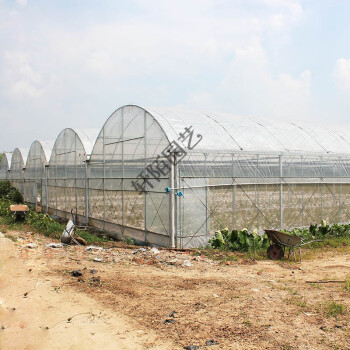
5	165
67	171
34	175
229	171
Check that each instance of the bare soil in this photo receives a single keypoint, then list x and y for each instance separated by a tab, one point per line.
143	299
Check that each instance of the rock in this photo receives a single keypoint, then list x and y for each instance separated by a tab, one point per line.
215	296
192	347
77	273
211	342
95	279
97	260
93	271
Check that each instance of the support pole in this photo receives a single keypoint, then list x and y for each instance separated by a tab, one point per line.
87	194
172	201
281	193
46	170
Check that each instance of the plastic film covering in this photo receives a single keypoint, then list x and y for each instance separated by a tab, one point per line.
18	161
129	142
67	171
228	171
5	166
35	173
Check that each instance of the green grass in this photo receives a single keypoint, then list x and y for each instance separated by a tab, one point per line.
91	237
333	309
45	225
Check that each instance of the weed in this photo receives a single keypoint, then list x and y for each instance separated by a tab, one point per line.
296	300
129	241
333	309
12	238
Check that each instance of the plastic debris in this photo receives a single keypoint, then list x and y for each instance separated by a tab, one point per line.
92	247
30	245
169	320
77	273
140	250
172	314
186	263
54	245
98	260
154	251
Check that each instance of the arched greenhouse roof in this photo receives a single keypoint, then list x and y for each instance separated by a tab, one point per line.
6	160
87	138
45	146
19	158
231	133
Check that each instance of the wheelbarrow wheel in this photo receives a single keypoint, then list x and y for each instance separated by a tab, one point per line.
275	252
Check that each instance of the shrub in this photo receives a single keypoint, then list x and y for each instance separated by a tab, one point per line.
5	188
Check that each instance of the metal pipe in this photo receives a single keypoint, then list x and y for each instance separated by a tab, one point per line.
87	195
172	202
281	192
46	169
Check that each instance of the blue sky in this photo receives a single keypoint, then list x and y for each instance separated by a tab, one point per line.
72	63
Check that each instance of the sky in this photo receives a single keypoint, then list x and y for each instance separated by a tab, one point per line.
72	63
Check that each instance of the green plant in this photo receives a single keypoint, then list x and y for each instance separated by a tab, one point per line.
7	191
5	187
243	240
333	309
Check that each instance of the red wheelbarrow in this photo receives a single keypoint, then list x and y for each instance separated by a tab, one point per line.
280	240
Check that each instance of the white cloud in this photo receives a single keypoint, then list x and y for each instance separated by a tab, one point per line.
249	88
200	53
22	2
341	74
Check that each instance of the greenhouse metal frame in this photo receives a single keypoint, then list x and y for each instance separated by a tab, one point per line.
173	177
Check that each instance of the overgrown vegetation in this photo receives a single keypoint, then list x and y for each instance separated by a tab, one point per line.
244	241
39	222
8	192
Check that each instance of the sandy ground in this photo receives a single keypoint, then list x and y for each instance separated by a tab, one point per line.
144	299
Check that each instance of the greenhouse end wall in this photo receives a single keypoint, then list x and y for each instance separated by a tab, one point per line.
173	178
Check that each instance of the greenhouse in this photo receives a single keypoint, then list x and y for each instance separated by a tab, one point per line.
173	177
5	165
35	179
18	161
67	173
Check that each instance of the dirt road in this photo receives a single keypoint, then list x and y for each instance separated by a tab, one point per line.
144	299
51	317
